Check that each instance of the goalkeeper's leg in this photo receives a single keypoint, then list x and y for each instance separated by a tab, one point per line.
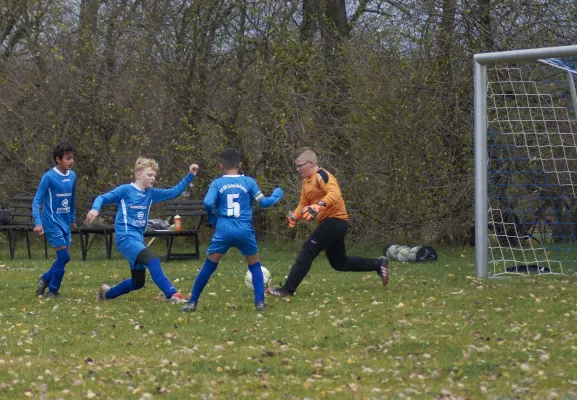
339	260
337	256
318	241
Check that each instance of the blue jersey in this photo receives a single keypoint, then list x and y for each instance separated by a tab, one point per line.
57	193
231	196
134	206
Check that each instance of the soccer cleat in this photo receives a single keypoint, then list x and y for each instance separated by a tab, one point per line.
384	270
190	307
51	294
41	286
177	298
279	292
101	293
260	306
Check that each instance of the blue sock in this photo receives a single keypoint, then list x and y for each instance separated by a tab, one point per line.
257	282
57	270
126	286
160	279
47	276
202	279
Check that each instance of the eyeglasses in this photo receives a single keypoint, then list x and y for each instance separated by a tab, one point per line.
300	166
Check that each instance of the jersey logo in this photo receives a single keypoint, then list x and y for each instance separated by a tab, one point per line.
64	209
140	215
233	186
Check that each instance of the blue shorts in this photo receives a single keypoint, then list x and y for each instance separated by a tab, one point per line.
233	233
130	247
58	238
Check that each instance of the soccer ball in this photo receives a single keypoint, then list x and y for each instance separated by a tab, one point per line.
265	274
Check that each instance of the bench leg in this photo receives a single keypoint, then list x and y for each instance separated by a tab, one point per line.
91	241
108	240
28	245
169	247
196	245
45	248
83	244
12	243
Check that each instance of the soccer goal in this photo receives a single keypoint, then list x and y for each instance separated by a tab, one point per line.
526	162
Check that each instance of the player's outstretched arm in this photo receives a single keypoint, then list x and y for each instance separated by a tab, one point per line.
112	197
274	198
159	195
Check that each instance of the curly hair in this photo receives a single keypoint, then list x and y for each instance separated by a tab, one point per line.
142	162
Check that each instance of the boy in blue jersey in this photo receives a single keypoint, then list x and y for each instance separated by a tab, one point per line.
56	193
134	202
231	196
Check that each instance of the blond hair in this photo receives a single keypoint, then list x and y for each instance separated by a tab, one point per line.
142	162
307	154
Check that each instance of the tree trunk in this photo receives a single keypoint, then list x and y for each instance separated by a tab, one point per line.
487	40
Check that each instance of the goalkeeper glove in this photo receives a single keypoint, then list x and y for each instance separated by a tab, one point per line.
290	220
309	213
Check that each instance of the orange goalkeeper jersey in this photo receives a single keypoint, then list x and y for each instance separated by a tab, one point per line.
322	186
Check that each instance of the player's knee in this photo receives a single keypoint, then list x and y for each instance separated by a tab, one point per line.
138	279
303	257
214	257
145	257
308	252
338	265
63	256
136	285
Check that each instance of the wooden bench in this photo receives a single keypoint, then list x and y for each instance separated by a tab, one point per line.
106	230
191	211
192	214
21	221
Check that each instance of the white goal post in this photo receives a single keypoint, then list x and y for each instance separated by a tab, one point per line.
525	139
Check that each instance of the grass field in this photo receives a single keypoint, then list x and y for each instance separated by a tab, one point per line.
435	332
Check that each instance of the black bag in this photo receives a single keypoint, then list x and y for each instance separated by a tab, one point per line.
5	216
157	225
426	253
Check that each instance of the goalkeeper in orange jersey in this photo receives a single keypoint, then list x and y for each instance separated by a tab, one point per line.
321	201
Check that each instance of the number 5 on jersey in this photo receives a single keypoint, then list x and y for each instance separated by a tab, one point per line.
232	207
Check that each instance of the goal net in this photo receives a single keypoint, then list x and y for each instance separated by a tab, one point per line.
531	165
